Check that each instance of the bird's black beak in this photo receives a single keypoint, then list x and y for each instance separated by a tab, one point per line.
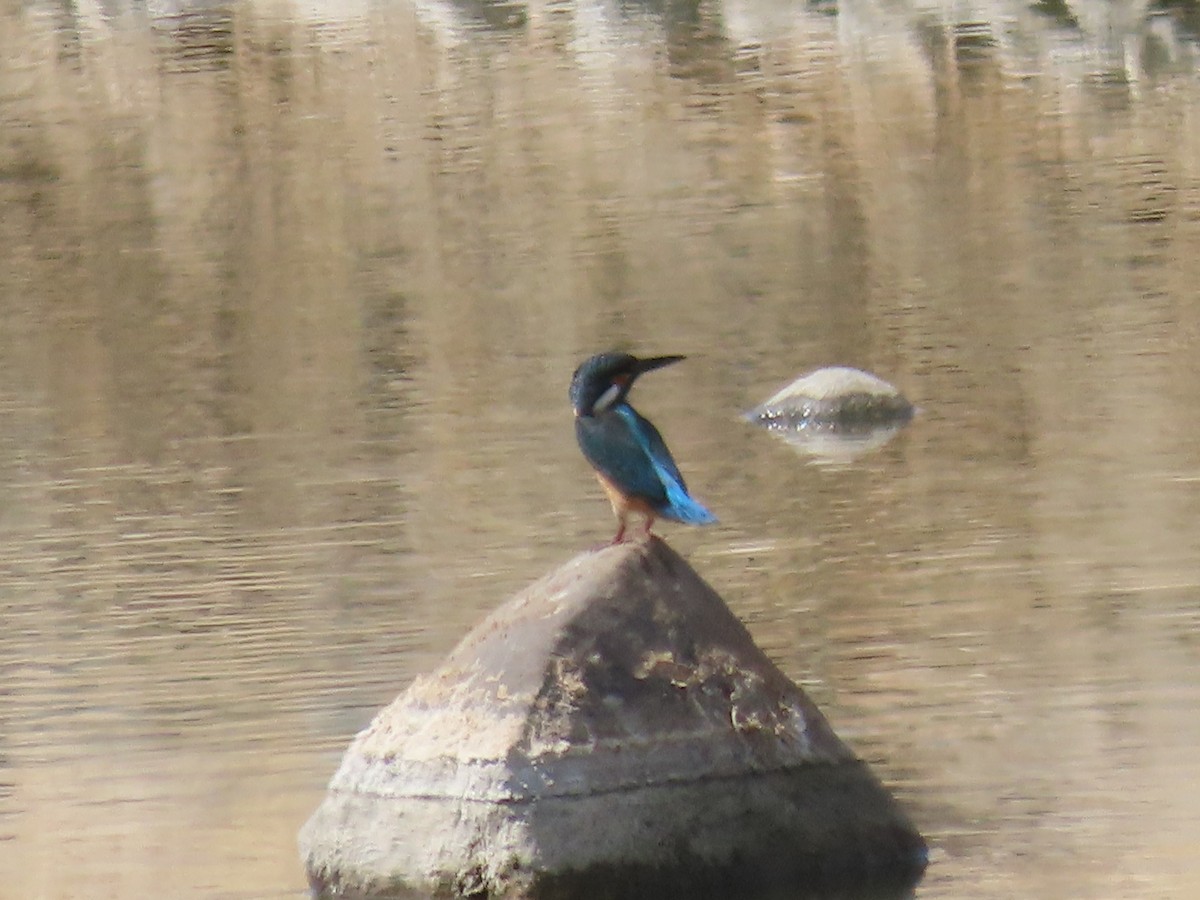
654	362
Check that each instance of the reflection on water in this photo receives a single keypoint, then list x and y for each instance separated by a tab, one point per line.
291	297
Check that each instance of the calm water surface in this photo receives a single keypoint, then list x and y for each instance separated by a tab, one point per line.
290	297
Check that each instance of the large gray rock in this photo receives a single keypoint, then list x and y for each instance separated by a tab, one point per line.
612	731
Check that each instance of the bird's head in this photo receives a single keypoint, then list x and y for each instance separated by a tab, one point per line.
604	379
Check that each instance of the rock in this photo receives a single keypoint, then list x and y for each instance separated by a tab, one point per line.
612	731
837	397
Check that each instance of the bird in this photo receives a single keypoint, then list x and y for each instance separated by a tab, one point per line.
631	460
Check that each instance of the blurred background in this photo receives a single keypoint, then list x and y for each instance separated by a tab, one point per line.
290	296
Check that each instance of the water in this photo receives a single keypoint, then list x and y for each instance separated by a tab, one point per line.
290	298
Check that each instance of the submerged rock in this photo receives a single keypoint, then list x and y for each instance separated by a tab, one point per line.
837	397
835	414
613	731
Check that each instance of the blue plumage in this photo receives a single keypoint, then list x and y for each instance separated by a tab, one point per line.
628	453
679	505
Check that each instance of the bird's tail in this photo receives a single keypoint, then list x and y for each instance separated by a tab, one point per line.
682	508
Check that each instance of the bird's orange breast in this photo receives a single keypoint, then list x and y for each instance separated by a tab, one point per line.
622	502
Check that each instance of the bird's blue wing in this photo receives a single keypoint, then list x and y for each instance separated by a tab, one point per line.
612	447
677	503
629	451
651	441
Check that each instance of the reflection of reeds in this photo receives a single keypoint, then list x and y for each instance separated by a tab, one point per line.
196	41
252	210
247	193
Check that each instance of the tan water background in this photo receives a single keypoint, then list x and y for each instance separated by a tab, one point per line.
290	295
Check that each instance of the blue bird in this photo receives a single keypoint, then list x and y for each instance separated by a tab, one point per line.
631	460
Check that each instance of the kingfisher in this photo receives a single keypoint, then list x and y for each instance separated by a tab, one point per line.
631	459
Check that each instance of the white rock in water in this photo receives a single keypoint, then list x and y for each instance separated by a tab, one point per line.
837	396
